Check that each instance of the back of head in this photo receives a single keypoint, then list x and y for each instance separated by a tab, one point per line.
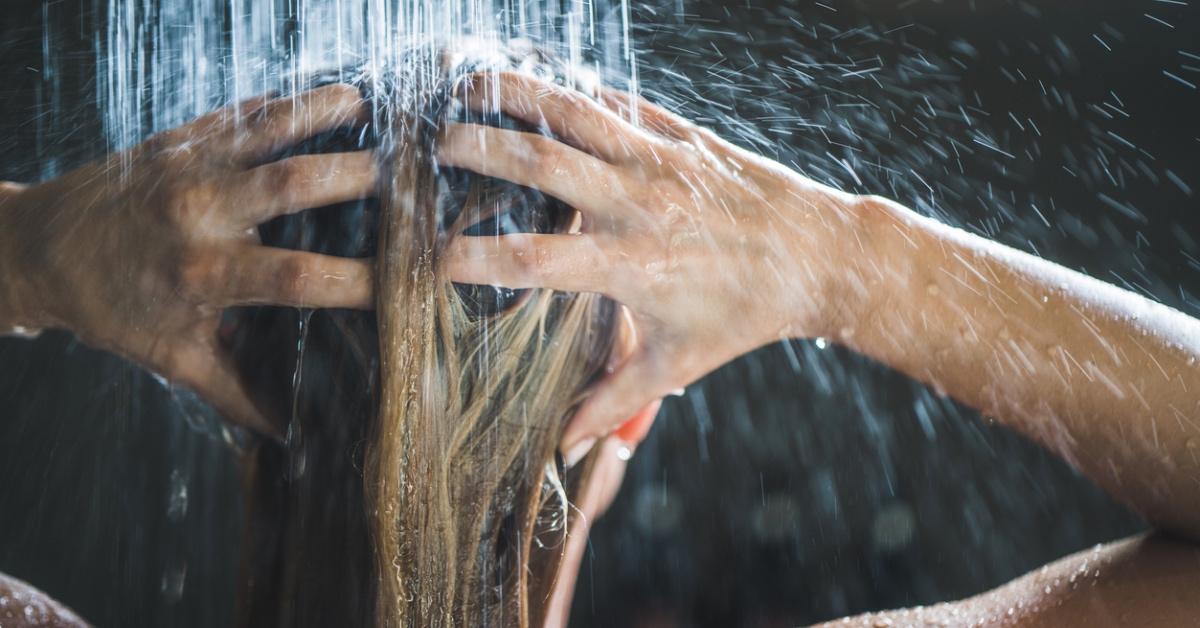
419	485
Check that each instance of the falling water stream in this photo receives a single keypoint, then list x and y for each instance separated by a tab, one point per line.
813	482
163	62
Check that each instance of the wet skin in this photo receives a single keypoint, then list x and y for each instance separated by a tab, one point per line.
139	253
716	251
712	250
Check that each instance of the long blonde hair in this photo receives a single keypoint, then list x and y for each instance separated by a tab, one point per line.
463	499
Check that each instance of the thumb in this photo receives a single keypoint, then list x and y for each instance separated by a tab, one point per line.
210	373
617	397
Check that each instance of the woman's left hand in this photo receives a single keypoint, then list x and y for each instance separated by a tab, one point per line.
713	250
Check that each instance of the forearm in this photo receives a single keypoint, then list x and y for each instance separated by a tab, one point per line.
1142	581
1106	378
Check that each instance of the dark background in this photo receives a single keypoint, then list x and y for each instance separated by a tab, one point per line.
794	485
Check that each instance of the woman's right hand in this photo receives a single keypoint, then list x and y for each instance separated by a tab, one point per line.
139	253
713	250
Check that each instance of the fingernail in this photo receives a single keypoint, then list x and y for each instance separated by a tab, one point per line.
578	451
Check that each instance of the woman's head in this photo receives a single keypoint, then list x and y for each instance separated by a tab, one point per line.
420	484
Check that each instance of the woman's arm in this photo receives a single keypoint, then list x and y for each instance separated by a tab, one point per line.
716	251
1141	581
1105	378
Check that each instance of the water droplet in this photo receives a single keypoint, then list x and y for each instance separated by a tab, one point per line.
821	343
177	497
173	583
894	527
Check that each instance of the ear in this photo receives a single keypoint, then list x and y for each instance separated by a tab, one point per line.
634	430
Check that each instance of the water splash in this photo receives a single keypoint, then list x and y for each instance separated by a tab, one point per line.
163	62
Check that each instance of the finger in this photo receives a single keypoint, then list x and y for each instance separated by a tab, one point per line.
567	113
261	275
534	161
571	263
299	183
283	122
210	373
225	117
646	114
634	385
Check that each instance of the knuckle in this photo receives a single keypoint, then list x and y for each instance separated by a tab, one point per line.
173	193
270	115
173	200
597	275
640	197
291	278
543	259
194	274
161	143
504	76
625	201
344	94
189	203
284	176
341	91
546	153
524	260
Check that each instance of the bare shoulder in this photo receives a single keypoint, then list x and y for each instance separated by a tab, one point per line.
1148	580
23	606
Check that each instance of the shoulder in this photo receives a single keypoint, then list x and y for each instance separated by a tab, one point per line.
1147	580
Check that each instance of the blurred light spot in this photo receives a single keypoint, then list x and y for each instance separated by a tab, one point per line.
657	510
774	520
894	527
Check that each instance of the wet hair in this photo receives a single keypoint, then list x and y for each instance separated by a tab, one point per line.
419	484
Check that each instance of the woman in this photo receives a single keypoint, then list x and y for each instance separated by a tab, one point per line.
419	485
712	251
